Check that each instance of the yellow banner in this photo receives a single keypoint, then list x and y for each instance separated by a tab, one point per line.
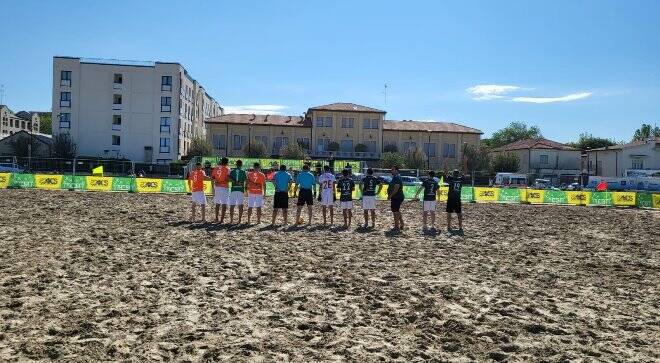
4	180
443	193
383	193
486	194
148	185
624	198
533	196
208	187
578	198
656	200
43	181
98	183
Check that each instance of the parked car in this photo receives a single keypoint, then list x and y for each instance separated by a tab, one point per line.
542	184
407	180
511	180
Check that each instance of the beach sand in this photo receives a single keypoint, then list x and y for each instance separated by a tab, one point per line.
112	276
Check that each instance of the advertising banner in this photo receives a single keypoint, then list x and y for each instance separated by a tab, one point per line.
443	193
467	194
578	198
601	199
486	194
73	182
644	200
533	196
173	186
148	185
509	195
122	184
4	180
98	183
656	200
23	180
555	197
44	181
624	198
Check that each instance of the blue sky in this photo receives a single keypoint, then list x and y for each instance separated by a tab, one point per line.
566	66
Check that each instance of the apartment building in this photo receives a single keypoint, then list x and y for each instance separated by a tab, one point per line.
614	161
11	123
361	133
142	111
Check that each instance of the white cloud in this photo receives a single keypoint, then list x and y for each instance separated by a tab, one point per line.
567	98
256	109
485	92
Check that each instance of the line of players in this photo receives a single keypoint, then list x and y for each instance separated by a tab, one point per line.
230	185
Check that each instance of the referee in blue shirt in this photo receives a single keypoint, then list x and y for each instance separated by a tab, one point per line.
305	182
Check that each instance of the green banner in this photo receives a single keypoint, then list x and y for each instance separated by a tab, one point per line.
409	191
73	182
467	194
213	160
270	189
644	200
509	195
555	197
23	181
122	184
173	186
601	199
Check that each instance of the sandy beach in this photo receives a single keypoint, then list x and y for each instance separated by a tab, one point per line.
113	276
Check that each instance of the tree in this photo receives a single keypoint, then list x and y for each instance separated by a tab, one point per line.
505	163
514	132
476	156
21	146
361	148
255	149
199	147
645	132
45	123
333	146
390	148
389	160
293	151
588	141
64	147
415	159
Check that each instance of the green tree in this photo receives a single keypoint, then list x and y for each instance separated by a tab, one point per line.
390	148
64	147
588	141
45	123
514	132
255	149
415	159
645	132
293	151
389	160
199	146
505	163
477	157
21	146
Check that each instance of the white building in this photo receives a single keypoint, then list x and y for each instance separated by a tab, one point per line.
142	111
613	161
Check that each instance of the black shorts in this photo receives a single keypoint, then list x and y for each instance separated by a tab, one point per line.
395	204
454	205
305	197
281	200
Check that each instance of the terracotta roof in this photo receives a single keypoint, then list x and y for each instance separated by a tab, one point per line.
346	107
534	144
433	126
630	144
246	119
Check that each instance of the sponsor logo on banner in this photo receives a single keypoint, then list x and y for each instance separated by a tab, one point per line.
443	194
98	183
48	181
487	194
145	185
624	198
535	196
4	180
656	200
208	187
578	198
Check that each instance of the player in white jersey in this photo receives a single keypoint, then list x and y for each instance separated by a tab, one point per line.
327	191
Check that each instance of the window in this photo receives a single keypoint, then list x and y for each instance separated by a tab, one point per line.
23	125
262	139
374	123
429	149
346	146
370	123
65	78
65	99
544	159
324	121
637	164
347	122
371	146
449	150
116	99
163	161
279	142
116	122
239	141
409	146
165	104
165	123
165	145
166	83
322	144
11	122
303	142
219	141
116	140
118	78
65	120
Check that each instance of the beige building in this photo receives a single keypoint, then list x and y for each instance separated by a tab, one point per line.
11	122
360	133
142	111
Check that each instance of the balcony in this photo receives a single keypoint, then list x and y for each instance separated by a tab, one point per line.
116	127
346	154
116	86
65	82
117	106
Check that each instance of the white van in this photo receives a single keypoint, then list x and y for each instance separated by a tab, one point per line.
511	180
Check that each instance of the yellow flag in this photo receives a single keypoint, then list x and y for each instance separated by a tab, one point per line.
98	170
442	180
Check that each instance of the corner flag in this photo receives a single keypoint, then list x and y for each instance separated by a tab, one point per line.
98	170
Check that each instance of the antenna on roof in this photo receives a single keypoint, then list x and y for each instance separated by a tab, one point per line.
385	93
2	94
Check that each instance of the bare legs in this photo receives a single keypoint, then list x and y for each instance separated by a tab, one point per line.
348	217
217	211
193	212
332	213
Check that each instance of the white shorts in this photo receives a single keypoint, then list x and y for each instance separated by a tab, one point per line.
255	200
428	205
368	202
327	198
346	205
221	195
236	198
199	198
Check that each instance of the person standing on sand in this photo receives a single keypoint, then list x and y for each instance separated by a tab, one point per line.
196	185
305	182
256	185
369	187
238	178
282	181
346	187
395	195
431	188
220	176
327	192
455	181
